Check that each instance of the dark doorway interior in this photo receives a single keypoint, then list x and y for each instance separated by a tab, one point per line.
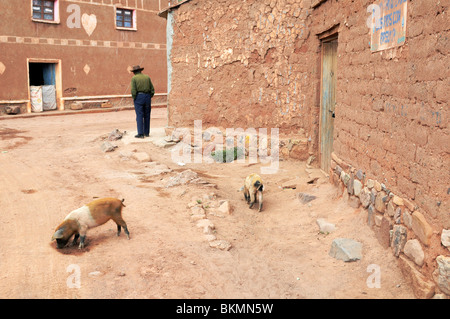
42	74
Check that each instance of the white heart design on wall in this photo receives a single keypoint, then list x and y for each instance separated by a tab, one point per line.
89	23
2	68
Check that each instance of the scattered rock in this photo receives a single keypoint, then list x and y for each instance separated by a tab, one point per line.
398	241
421	228
364	197
225	207
357	187
371	215
422	287
445	238
410	205
197	213
162	142
156	169
378	219
407	219
115	135
107	147
353	201
380	202
346	249
324	226
209	237
359	175
220	244
390	209
414	251
76	106
181	178
12	109
207	226
398	200
398	215
305	198
443	273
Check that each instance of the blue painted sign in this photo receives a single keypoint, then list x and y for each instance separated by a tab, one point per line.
388	24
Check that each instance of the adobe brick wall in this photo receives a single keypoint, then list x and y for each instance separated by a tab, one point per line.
243	64
257	64
107	51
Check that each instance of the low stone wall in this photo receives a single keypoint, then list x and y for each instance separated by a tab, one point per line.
400	226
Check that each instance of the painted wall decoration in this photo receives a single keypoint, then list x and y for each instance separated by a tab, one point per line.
388	24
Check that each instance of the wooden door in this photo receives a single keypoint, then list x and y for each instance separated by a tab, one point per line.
328	101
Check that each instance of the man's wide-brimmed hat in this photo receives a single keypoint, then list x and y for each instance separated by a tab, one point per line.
136	68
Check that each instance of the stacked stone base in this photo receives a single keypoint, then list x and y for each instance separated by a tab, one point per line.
401	227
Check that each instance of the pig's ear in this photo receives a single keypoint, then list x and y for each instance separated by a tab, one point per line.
58	234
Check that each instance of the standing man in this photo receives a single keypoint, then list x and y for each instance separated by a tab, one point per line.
142	91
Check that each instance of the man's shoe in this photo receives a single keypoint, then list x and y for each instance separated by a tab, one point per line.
147	135
139	136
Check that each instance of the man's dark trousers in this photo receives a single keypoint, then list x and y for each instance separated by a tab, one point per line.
143	108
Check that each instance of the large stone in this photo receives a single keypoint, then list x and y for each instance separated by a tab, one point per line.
421	228
407	218
364	197
443	278
12	109
390	209
380	202
413	249
357	186
371	214
398	239
350	184
353	201
422	287
410	205
398	200
346	249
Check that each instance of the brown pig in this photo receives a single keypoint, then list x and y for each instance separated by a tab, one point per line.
91	215
253	186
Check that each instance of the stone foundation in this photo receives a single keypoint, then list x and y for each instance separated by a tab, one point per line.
400	226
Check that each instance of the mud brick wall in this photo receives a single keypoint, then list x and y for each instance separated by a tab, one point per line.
242	64
392	106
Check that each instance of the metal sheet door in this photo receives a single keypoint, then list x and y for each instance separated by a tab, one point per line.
328	101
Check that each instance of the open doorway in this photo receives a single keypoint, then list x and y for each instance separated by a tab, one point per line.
44	80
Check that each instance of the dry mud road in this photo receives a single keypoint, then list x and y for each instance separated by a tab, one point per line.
51	165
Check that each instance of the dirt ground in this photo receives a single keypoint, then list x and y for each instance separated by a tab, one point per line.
51	165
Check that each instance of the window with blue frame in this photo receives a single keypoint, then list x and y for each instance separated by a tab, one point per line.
44	10
124	18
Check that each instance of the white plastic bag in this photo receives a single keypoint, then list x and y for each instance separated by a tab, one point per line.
48	97
36	98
